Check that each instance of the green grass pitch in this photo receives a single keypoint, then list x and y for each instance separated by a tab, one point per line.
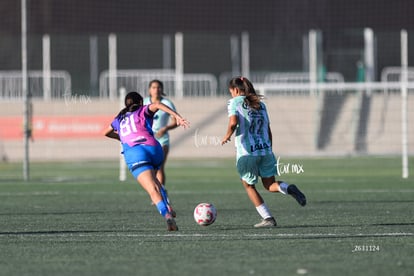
78	219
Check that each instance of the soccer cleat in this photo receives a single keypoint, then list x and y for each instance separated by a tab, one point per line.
171	211
171	225
266	223
297	194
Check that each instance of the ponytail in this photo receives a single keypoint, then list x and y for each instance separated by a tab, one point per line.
133	101
243	84
253	101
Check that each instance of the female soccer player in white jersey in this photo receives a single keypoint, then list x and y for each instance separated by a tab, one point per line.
162	122
249	119
142	152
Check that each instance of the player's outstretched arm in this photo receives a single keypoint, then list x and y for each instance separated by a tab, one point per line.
172	125
160	106
111	133
230	129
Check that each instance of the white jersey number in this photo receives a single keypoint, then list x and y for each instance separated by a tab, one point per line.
127	126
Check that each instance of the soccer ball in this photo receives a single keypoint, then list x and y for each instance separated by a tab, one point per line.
205	214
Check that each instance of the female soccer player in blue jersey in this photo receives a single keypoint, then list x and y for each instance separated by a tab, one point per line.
162	122
142	152
249	119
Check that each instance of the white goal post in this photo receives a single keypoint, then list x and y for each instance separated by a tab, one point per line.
193	85
319	90
122	164
12	86
404	105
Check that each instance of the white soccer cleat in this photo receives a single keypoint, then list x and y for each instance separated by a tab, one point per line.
266	223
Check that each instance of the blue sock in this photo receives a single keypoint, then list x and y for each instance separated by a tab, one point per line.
283	188
164	195
162	208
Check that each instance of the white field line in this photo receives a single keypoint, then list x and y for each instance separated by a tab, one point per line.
216	235
217	192
262	235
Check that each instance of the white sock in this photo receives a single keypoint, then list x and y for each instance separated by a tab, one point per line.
264	211
283	188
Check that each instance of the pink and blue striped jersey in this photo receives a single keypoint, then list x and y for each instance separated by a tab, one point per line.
135	127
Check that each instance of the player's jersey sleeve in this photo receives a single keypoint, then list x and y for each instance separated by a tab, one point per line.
115	124
148	113
232	107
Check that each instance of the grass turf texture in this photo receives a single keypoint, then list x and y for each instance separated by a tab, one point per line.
77	219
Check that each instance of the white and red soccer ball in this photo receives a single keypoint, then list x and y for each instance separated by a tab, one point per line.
205	214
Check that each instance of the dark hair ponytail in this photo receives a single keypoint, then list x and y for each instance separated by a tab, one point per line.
243	84
133	101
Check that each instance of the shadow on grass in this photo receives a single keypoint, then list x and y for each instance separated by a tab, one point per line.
249	227
344	225
360	201
155	235
55	232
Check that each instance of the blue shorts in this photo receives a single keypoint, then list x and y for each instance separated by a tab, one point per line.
140	158
250	168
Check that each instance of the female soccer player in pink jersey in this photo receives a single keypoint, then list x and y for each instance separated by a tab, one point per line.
142	152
